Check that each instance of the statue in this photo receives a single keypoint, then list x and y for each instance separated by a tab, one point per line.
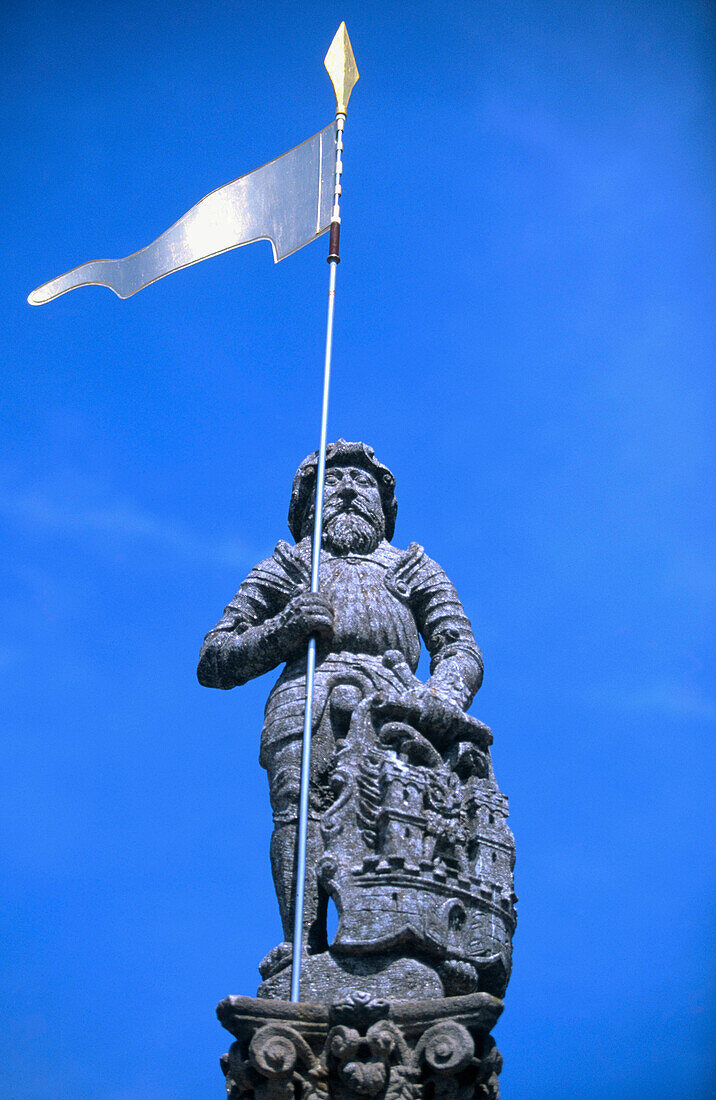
407	830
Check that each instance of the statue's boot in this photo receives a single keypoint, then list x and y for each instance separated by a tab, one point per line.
276	959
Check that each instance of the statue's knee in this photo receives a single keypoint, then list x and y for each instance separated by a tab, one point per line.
284	791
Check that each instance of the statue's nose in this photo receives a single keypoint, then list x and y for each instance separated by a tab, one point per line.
348	491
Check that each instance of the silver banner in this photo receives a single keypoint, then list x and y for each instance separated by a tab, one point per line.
287	201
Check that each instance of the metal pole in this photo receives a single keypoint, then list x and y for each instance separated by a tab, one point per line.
333	260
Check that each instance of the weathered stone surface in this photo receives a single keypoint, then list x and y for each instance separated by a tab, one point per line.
363	1046
408	832
331	976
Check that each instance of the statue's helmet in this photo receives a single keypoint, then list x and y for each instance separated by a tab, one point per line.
340	453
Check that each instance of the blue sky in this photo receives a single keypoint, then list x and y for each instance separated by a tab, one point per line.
524	332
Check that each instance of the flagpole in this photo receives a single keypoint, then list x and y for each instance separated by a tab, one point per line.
342	70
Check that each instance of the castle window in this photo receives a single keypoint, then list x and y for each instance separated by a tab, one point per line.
456	918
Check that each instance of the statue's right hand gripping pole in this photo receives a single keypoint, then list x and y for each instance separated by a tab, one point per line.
341	66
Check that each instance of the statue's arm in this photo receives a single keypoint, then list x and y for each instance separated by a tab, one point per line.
455	659
268	621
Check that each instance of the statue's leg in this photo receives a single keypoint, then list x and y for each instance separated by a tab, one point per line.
283	866
284	775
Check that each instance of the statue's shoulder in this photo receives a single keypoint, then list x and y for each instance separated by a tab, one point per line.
406	569
392	557
396	554
294	561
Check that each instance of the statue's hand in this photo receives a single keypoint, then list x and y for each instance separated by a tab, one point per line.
418	697
306	614
434	709
440	719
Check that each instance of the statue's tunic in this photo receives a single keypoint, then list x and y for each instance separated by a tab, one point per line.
383	602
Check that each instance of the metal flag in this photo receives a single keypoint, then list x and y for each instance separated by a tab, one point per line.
288	201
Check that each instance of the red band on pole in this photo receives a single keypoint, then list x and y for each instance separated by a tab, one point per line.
334	243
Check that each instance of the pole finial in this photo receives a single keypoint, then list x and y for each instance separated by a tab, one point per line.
341	66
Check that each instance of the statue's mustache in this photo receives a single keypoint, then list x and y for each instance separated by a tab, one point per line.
350	507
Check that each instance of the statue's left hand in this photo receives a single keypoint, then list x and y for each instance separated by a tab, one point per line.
440	720
435	710
431	704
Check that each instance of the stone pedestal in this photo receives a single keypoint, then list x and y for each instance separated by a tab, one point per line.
438	1049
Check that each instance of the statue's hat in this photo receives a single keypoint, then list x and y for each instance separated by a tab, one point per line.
341	453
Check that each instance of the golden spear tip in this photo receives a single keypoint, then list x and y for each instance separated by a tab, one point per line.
341	66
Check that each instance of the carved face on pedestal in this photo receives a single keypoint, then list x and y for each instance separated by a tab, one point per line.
353	517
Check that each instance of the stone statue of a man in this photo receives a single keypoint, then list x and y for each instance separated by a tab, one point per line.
374	605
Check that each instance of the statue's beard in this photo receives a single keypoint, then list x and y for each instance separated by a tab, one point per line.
359	529
349	533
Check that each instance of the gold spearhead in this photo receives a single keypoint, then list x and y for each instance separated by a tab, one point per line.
342	69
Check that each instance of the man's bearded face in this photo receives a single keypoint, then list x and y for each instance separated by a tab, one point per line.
353	517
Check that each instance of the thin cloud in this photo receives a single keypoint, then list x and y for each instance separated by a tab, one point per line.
70	510
680	700
668	698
